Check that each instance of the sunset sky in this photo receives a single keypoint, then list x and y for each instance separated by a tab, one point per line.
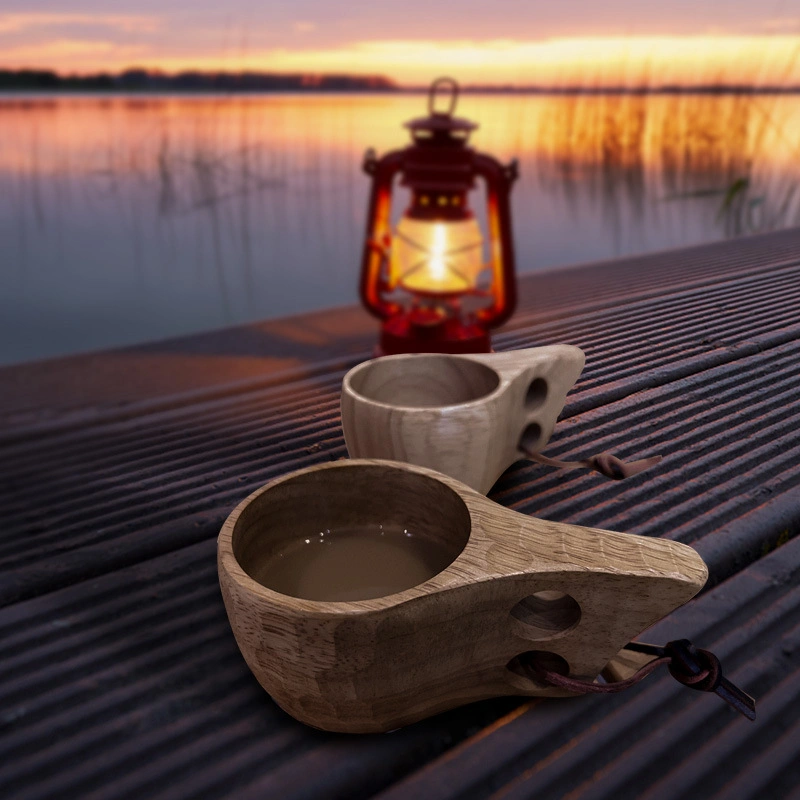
501	41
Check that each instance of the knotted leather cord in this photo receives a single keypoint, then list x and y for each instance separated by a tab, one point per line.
691	666
604	463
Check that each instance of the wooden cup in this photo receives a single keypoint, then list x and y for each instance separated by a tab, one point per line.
465	416
495	585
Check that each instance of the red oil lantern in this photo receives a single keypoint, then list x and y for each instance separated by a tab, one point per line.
429	279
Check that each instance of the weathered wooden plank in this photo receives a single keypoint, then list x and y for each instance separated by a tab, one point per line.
130	685
705	377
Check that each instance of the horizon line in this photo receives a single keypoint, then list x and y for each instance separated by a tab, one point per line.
311	81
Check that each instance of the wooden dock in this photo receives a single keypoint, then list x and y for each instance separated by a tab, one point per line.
119	675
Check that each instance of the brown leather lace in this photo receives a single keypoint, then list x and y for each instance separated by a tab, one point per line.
693	667
605	463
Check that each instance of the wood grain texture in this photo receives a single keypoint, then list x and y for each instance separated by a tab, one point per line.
461	415
519	584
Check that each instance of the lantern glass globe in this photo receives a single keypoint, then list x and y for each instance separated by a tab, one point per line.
437	257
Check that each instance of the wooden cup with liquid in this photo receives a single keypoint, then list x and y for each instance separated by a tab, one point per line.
468	416
365	595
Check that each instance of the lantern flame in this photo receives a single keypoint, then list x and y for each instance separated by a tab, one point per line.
437	257
438	250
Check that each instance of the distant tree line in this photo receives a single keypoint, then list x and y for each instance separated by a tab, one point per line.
142	80
713	88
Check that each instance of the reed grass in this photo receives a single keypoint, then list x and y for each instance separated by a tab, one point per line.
677	147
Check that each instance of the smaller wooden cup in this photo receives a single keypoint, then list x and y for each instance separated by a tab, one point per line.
465	416
343	642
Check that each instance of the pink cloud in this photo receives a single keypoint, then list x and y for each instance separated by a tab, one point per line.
126	23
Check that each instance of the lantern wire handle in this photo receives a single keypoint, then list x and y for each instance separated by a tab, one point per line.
435	86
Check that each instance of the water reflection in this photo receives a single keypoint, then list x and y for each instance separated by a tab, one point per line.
130	219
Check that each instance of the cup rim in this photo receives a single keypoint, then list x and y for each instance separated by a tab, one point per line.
347	386
227	560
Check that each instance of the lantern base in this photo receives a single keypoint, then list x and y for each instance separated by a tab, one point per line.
401	335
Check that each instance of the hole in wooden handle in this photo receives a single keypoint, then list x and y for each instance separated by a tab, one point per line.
530	438
521	674
546	614
536	394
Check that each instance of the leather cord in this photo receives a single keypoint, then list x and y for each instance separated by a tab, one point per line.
605	463
691	666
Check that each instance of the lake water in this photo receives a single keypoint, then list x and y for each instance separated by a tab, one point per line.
129	219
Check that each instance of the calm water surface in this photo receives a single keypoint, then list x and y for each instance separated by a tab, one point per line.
129	219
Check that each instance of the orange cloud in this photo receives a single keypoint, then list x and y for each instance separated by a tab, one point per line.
781	24
71	52
630	60
599	60
303	26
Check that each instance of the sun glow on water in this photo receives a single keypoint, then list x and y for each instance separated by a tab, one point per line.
232	208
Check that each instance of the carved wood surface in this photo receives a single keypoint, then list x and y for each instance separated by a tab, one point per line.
515	584
464	416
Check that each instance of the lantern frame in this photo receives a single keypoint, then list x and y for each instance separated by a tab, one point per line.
439	169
